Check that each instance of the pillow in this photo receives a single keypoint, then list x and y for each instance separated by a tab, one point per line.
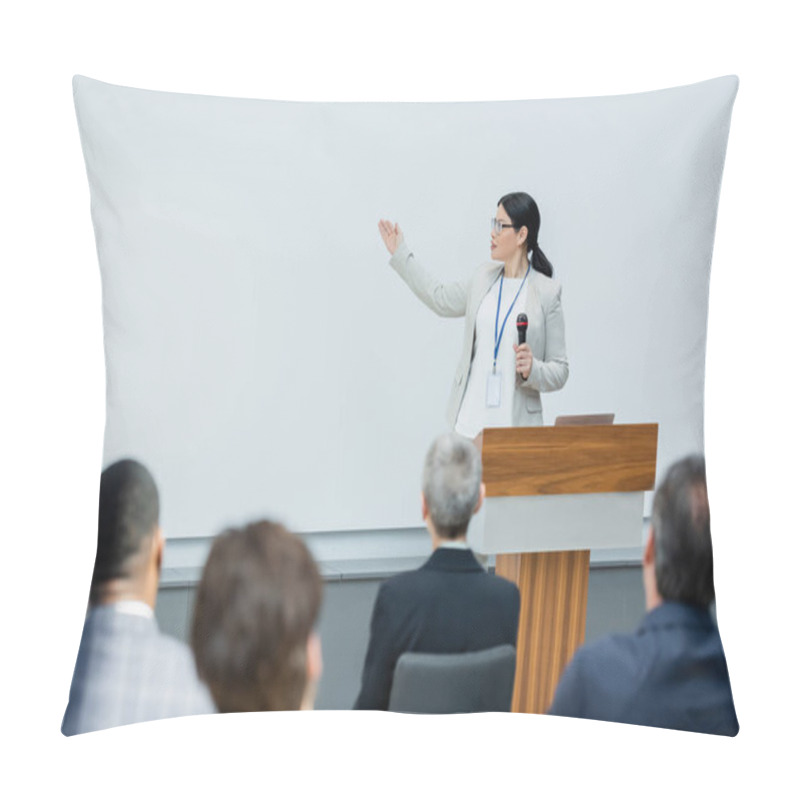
258	345
264	360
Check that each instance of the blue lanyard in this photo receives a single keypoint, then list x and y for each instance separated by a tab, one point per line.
497	315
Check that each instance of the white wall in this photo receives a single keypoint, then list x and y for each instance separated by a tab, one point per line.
263	359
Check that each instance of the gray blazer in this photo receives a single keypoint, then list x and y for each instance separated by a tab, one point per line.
128	671
462	298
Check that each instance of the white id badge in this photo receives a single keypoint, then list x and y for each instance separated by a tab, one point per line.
493	384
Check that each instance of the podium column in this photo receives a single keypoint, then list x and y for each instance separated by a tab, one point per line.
553	589
553	494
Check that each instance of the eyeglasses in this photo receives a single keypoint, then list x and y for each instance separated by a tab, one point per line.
497	226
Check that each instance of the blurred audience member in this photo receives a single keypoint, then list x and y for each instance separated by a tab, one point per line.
126	670
253	633
670	673
450	604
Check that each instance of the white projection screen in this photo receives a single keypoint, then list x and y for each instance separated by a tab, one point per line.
263	359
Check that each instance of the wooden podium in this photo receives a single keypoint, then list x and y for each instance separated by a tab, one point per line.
553	494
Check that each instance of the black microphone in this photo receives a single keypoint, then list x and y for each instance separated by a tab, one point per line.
522	326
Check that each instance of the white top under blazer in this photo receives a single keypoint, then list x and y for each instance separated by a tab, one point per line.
545	335
474	414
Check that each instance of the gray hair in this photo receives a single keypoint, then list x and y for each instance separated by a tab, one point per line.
451	484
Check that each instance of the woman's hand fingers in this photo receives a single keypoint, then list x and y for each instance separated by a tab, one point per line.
390	234
524	360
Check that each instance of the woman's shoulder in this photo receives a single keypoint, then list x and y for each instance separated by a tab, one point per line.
542	280
548	288
484	274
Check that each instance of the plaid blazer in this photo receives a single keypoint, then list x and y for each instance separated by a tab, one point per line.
128	671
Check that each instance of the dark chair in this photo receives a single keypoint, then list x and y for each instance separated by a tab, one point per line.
454	683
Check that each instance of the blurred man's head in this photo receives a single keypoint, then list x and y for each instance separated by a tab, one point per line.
129	541
678	564
253	631
451	486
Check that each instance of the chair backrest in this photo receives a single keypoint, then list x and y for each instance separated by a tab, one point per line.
454	683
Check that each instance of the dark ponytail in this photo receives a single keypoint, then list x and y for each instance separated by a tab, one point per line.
522	210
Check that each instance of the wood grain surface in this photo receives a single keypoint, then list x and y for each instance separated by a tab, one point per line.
569	460
553	589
